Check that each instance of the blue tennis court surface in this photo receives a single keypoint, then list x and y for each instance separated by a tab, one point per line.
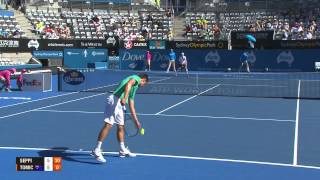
187	137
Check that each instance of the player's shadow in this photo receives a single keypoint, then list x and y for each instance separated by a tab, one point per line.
74	156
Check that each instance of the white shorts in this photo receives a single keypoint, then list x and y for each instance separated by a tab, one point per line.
113	112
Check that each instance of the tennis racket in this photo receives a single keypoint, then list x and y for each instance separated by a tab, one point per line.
130	126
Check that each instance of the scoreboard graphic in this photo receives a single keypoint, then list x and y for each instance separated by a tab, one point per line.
38	163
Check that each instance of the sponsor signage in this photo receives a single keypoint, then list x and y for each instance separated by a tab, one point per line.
259	35
35	82
134	44
157	44
240	41
28	45
48	54
297	44
7	43
80	58
198	45
73	77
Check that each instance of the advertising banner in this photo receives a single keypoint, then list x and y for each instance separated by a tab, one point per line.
221	60
264	39
80	58
197	45
48	54
28	45
37	82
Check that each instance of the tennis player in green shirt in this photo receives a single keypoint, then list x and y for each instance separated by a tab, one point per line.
114	113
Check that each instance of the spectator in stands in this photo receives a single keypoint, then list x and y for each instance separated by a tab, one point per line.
94	19
188	28
216	31
67	32
16	34
2	34
112	20
157	3
5	79
309	35
170	35
168	13
149	17
194	28
145	32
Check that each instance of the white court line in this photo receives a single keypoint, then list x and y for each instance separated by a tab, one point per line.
37	100
171	156
160	80
187	99
65	102
225	117
16	98
51	97
240	85
296	132
178	115
58	111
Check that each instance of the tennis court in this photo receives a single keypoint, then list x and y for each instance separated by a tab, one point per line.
193	134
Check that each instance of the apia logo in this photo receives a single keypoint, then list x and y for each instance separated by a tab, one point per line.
73	77
33	43
163	65
213	56
285	56
128	44
132	65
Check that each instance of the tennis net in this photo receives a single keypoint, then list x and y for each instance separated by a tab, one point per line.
281	85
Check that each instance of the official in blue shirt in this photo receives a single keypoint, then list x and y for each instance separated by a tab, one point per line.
172	61
244	61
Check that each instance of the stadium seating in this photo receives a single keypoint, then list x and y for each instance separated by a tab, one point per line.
14	59
144	25
9	27
285	24
95	25
156	25
40	19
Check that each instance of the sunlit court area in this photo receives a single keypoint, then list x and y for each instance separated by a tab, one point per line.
159	89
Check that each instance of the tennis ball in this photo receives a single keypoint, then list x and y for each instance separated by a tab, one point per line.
142	131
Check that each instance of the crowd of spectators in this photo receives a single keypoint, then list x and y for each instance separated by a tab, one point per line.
290	25
155	24
124	28
294	25
203	30
52	31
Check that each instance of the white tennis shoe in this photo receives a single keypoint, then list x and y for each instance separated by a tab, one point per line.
126	153
98	155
